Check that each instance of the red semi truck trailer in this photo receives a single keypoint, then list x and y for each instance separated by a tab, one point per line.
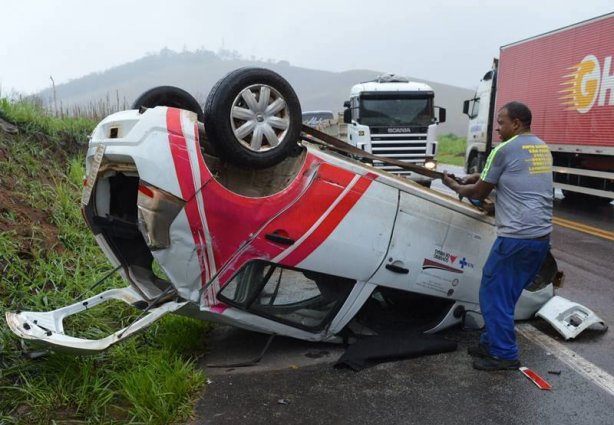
566	77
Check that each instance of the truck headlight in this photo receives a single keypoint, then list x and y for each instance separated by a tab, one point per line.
430	164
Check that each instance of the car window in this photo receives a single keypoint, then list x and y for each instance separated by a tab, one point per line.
302	298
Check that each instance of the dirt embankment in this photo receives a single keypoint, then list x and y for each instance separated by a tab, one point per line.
32	224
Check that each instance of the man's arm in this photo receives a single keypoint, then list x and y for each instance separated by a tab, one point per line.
479	189
471	178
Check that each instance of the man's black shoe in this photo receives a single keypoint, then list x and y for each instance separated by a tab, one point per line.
478	350
492	363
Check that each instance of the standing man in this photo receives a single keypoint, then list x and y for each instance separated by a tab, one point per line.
520	169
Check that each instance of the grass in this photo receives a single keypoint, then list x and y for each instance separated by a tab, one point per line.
451	150
35	121
48	259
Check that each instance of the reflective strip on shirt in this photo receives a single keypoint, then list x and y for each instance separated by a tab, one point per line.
492	156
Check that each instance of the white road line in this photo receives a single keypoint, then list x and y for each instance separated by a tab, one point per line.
578	363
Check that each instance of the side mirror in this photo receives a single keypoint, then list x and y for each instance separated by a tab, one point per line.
442	114
347	116
466	107
346	104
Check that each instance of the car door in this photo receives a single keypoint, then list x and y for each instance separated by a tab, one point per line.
436	249
309	265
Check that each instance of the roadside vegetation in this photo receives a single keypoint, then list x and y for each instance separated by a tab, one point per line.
48	259
451	150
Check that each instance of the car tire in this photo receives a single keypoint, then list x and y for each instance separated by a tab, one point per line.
546	275
253	118
169	96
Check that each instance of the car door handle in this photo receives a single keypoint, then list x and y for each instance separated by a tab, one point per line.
277	238
397	269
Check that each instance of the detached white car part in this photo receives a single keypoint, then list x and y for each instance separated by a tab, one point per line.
293	246
569	318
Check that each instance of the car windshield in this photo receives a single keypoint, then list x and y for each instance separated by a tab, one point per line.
396	111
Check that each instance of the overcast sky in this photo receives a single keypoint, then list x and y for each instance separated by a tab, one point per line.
447	41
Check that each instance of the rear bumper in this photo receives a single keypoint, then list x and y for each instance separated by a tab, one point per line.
48	327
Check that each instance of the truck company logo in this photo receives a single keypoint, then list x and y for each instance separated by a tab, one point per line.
588	82
399	130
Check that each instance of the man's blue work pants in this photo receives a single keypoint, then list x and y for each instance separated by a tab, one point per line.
511	266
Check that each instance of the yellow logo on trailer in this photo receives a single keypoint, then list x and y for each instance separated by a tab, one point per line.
586	83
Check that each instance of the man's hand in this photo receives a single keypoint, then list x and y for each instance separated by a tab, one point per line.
471	186
450	180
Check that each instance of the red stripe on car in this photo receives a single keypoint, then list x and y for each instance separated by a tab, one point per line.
329	224
183	169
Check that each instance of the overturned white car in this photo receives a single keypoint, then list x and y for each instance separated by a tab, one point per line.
253	227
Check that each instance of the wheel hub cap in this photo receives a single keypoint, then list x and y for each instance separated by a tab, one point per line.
260	118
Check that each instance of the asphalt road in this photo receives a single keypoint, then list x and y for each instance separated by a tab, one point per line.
295	383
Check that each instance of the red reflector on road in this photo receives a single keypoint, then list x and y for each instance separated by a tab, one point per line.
537	380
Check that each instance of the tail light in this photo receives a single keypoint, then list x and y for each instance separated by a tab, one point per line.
156	211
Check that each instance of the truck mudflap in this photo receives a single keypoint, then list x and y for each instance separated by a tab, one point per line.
48	327
567	317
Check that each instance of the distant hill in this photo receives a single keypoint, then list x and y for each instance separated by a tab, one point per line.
198	71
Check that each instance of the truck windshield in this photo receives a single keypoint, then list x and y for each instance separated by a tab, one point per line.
395	111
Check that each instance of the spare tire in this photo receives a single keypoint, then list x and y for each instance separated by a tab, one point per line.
253	118
169	96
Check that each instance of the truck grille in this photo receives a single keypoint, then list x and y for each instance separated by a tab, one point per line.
409	148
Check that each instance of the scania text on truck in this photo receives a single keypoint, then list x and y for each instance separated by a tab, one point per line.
567	79
394	117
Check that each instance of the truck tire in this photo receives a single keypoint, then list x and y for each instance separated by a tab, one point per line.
476	164
169	96
253	118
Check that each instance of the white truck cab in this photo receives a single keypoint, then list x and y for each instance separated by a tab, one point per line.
394	117
480	111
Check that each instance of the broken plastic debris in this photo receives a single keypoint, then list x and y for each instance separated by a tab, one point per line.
537	380
283	401
568	318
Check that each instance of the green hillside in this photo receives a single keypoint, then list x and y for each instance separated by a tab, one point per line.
198	71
